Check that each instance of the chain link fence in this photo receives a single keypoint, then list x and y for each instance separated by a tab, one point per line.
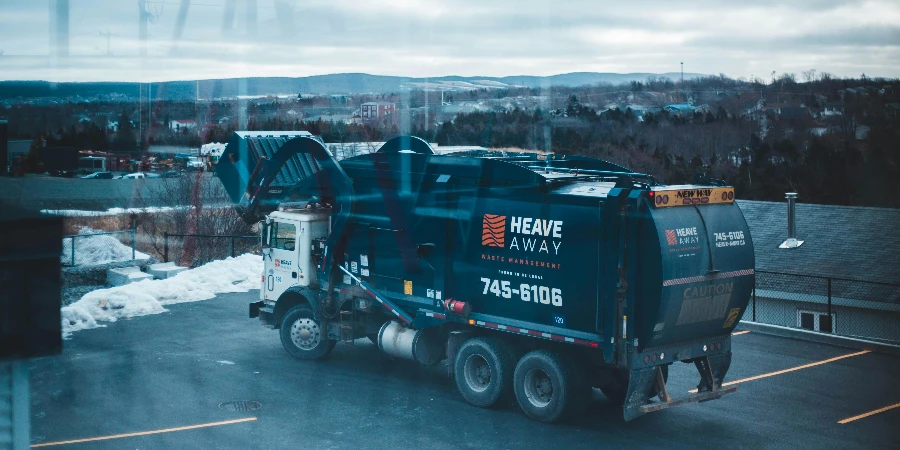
840	306
207	247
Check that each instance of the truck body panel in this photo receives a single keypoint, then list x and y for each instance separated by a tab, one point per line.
575	251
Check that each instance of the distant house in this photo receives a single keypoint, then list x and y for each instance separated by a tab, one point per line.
792	284
16	148
184	124
680	108
892	109
374	110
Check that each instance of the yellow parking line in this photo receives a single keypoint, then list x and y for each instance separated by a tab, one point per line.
870	413
805	366
144	433
738	333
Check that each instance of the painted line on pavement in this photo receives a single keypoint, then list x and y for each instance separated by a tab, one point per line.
738	333
805	366
870	413
144	433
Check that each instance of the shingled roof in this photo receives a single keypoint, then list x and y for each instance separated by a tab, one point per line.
840	241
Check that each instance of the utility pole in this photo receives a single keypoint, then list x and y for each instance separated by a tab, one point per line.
59	30
146	16
142	26
107	34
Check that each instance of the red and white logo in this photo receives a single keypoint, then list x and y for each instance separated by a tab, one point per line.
671	239
493	231
277	263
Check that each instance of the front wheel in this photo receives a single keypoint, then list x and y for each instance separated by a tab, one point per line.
303	336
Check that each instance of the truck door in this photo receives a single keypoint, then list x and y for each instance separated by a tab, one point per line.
281	269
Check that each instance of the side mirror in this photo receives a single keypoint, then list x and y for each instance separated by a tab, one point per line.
264	236
424	250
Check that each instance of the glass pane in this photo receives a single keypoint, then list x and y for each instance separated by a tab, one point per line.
285	234
807	321
825	323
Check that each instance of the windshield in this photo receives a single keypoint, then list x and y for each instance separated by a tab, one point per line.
449	223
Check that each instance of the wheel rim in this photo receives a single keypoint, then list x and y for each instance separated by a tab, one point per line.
477	372
538	388
305	334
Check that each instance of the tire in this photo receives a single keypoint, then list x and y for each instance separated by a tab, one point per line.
548	387
617	390
303	336
483	371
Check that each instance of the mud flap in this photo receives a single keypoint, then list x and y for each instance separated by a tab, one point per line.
648	382
641	383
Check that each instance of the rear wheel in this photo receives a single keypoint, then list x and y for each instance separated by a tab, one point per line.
303	336
483	371
548	387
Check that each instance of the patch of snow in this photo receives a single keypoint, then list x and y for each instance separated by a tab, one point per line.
100	249
230	363
110	211
239	274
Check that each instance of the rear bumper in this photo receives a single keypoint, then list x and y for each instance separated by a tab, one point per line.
694	398
648	382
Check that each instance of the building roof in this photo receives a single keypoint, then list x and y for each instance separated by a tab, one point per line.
839	241
679	107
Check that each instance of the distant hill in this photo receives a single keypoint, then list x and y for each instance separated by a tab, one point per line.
341	83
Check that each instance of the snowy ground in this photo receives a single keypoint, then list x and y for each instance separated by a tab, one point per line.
92	250
238	274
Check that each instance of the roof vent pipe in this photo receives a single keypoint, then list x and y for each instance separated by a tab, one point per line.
791	241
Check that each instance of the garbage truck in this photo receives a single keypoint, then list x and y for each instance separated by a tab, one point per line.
536	277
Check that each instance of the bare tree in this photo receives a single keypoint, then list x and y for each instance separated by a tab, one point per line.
809	75
192	205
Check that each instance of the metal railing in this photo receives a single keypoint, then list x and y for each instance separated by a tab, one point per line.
215	248
840	306
74	237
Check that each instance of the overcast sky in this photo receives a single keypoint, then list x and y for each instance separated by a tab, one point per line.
451	37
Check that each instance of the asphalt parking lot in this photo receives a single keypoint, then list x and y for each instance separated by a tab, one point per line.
204	376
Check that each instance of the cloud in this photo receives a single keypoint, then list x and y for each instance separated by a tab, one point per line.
461	37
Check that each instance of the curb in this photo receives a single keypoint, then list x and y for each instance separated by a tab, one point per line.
841	341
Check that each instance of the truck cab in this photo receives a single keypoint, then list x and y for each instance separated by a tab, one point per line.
291	240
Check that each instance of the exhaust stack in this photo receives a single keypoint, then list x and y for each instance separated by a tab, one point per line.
791	241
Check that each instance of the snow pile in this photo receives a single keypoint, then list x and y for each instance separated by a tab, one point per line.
93	250
238	274
110	211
